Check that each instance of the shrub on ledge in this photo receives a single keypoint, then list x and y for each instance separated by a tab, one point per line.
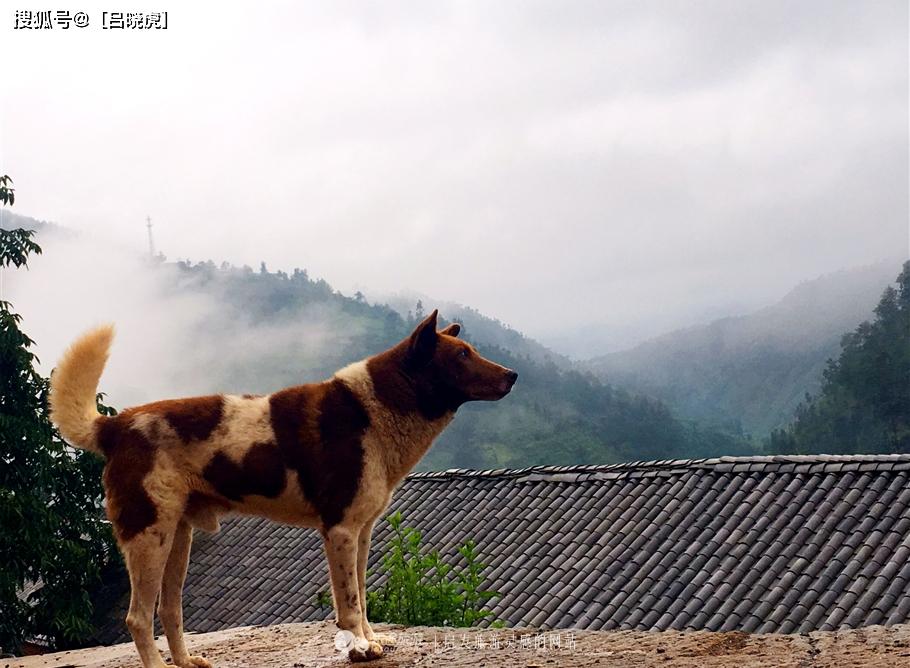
421	589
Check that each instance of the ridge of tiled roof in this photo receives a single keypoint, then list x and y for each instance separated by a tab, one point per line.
758	463
785	544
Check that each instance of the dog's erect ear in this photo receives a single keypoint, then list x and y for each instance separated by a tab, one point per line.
423	340
451	330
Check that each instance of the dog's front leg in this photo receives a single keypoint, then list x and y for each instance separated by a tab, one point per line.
363	554
340	544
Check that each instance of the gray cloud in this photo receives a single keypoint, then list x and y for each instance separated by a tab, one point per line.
569	167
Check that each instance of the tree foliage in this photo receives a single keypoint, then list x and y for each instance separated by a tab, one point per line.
864	402
54	539
7	192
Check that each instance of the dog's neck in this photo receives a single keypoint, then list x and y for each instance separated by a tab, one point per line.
409	438
398	425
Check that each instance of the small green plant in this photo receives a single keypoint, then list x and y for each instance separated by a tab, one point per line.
421	589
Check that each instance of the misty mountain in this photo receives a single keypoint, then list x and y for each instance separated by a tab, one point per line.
187	328
10	220
864	402
752	371
554	415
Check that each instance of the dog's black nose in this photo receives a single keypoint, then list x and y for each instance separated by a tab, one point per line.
512	375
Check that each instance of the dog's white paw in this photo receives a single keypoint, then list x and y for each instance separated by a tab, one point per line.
195	662
373	651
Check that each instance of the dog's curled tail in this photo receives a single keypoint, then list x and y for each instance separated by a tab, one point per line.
74	386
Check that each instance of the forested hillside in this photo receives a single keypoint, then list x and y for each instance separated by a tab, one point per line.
241	329
751	371
864	402
245	330
553	416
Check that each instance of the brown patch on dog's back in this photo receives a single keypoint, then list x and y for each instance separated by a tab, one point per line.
130	457
342	423
319	429
262	471
193	419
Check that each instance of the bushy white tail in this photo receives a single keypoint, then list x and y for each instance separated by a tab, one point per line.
74	385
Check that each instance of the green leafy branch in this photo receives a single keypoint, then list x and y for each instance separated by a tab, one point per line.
421	589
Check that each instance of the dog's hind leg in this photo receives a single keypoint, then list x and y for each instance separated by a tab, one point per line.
146	555
170	606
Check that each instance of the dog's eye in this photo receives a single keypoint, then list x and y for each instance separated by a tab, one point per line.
463	353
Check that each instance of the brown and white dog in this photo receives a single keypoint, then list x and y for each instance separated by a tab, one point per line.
326	455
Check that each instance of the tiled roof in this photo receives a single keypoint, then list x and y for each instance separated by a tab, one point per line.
768	544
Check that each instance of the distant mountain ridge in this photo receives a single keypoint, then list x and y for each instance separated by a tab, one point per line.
11	220
752	371
221	328
234	329
490	331
553	416
685	394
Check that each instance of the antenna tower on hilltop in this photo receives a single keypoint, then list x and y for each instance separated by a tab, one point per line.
148	224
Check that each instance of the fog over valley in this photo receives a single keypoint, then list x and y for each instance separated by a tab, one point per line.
188	329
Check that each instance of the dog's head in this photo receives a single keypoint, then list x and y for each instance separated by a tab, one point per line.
438	371
439	360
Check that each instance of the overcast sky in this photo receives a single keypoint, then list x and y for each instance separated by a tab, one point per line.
568	167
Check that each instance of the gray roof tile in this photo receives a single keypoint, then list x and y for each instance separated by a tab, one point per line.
782	544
